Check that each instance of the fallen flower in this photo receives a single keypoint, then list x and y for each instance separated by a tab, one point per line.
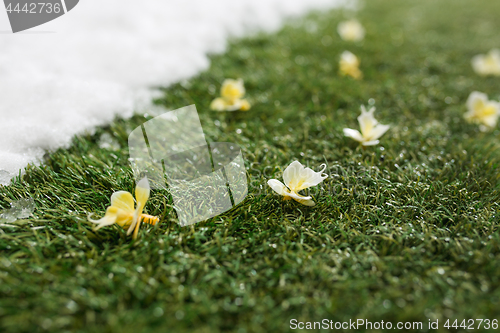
351	30
122	210
297	178
482	111
231	99
487	64
349	65
371	130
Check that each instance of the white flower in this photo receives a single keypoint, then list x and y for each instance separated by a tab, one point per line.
487	64
297	178
351	30
371	130
349	65
482	111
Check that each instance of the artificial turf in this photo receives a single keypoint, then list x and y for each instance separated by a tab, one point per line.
403	231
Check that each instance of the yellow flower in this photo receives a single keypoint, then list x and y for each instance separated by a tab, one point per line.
487	64
482	111
122	210
297	178
349	65
351	30
371	130
231	99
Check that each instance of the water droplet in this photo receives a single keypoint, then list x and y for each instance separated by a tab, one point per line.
179	314
158	312
326	40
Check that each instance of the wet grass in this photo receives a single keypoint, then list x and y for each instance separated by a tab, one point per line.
404	231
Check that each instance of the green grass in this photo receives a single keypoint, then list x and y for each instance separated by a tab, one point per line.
404	231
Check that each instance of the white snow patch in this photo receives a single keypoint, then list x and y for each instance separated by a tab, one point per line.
97	61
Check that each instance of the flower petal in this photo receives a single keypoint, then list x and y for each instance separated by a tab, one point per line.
370	143
469	116
291	175
349	58
277	186
306	202
476	101
367	121
495	53
490	121
491	108
478	64
108	219
487	64
124	218
235	105
297	196
377	132
141	195
281	189
232	89
353	134
136	229
245	105
310	178
218	104
297	177
351	30
349	65
123	200
142	191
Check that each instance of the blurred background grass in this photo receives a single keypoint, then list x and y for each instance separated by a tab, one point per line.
404	231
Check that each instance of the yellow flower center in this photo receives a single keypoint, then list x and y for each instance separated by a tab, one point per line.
490	61
487	111
231	91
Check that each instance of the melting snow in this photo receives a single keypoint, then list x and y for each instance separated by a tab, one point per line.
100	59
